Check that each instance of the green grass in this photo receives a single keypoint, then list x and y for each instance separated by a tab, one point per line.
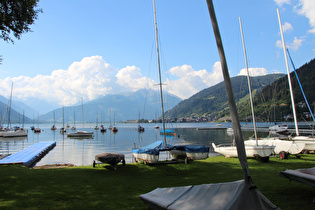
101	188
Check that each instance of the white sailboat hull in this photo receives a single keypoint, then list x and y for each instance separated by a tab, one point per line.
307	140
280	145
251	150
80	134
148	158
17	133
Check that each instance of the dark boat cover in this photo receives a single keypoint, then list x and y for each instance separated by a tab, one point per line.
231	195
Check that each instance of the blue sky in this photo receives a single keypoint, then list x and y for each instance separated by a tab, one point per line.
81	48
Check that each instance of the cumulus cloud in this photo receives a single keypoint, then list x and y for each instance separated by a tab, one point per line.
307	8
294	45
282	2
93	77
287	27
191	81
90	78
253	72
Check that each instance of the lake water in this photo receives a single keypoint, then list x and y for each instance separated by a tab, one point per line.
82	151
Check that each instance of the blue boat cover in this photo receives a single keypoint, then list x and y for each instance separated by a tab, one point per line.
152	149
201	149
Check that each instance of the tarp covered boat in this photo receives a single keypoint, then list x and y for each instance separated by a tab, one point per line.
306	176
231	195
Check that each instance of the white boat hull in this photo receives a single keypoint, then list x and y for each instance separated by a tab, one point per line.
251	150
280	145
146	158
18	133
307	140
80	134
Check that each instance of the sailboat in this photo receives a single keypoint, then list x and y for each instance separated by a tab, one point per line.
73	127
53	127
252	150
81	133
63	129
307	140
281	147
242	194
17	131
150	153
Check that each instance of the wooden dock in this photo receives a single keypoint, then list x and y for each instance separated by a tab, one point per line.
30	155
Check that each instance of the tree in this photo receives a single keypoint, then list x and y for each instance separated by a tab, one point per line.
17	16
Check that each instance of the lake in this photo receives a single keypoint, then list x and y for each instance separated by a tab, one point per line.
81	152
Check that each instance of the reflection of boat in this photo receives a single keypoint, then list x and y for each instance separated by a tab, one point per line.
168	132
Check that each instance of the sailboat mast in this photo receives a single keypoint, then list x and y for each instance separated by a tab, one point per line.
248	80
159	66
289	77
228	86
10	104
82	113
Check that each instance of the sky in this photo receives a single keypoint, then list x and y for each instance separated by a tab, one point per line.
80	48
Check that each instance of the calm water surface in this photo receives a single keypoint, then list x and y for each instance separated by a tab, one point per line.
82	151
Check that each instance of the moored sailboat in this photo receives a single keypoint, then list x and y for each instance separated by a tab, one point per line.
81	133
253	150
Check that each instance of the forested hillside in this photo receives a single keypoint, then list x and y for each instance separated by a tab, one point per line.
213	101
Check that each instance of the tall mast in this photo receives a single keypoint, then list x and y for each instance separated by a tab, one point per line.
228	86
82	112
10	104
159	66
248	80
289	77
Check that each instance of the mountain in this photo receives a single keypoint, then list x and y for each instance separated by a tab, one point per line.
212	101
122	106
16	117
273	103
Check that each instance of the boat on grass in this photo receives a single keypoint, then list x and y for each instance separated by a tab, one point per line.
109	158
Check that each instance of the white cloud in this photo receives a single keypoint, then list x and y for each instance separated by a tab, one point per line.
254	72
307	8
282	2
90	78
295	45
131	78
93	77
287	27
192	81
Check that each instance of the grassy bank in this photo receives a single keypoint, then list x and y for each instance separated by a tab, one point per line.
95	188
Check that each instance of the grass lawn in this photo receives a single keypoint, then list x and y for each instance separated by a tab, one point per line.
102	188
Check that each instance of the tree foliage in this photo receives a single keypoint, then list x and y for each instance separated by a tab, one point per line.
16	17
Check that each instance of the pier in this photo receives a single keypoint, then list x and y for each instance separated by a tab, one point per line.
29	155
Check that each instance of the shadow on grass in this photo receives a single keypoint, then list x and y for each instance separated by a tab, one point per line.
99	187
